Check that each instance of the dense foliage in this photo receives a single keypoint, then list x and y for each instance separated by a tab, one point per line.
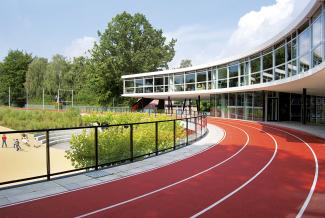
22	119
114	142
129	44
13	75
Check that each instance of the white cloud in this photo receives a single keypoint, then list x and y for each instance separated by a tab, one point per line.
198	43
207	44
256	27
80	47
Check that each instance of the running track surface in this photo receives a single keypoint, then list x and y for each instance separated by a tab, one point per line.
254	171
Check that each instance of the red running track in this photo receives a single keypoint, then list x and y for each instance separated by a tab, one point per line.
255	171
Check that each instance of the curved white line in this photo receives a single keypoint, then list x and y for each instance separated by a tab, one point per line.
247	182
173	184
313	186
113	180
312	189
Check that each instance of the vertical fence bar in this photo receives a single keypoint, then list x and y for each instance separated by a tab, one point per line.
201	125
186	131
96	148
48	162
131	142
157	149
195	122
174	135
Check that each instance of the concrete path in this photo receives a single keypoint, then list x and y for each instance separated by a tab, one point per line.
53	187
316	130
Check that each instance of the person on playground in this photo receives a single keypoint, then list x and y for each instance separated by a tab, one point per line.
4	140
24	140
16	144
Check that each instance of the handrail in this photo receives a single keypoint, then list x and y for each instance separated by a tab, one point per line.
197	133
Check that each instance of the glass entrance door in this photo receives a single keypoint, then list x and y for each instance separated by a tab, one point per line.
273	109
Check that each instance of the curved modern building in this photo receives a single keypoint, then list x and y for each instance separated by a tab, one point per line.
283	79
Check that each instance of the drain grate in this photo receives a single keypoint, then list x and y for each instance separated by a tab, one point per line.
97	174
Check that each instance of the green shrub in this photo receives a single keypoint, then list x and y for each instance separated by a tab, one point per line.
114	142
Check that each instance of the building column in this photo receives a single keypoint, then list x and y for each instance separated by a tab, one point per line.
304	105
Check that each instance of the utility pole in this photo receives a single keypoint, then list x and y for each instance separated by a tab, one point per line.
26	98
9	96
43	99
72	97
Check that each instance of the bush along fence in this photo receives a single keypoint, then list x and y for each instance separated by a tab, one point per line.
98	146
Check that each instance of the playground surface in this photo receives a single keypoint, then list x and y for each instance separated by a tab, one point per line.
254	170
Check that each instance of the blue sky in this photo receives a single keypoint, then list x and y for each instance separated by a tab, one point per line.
205	30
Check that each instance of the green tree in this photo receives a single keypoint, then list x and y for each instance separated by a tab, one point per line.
55	74
128	45
35	77
185	63
13	75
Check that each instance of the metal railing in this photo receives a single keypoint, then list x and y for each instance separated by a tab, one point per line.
161	136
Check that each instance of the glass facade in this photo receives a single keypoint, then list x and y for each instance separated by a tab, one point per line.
297	53
247	105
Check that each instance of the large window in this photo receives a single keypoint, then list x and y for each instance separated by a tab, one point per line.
179	82
222	77
244	73
129	86
201	78
139	85
233	75
256	71
317	55
190	81
304	50
159	84
268	67
279	71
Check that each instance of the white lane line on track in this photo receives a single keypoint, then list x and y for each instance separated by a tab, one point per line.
247	182
313	186
113	180
173	184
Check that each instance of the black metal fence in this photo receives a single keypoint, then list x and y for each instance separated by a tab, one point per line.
46	157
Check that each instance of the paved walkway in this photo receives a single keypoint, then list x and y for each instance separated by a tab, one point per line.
316	130
53	187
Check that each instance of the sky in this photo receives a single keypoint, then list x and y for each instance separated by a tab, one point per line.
205	30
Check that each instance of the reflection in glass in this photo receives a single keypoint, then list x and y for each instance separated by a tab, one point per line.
178	79
317	56
317	32
304	42
222	73
292	68
233	82
159	81
267	76
190	78
256	78
280	56
256	65
201	76
280	72
129	83
268	61
304	63
233	71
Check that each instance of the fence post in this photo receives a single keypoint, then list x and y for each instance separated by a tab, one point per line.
186	131
131	142
195	121
96	148
174	135
157	149
201	125
48	162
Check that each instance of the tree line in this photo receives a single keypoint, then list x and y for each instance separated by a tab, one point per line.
128	45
